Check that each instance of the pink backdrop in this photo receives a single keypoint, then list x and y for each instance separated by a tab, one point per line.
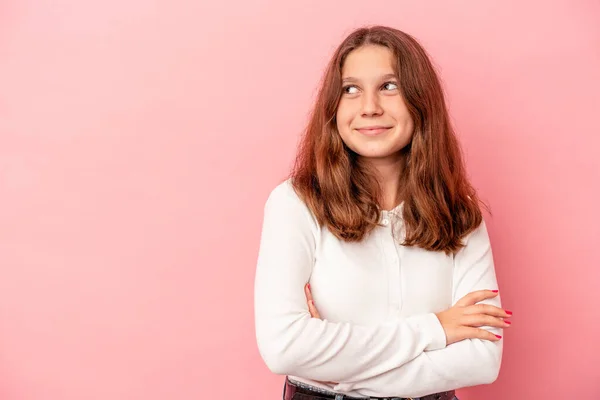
139	140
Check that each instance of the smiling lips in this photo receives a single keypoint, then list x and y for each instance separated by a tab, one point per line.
373	130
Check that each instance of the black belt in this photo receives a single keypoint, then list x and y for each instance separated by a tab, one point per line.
295	392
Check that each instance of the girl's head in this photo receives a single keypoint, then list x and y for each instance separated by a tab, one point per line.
371	116
381	103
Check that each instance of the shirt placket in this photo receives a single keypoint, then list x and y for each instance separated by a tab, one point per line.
392	260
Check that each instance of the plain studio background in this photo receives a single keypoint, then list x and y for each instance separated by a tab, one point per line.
139	140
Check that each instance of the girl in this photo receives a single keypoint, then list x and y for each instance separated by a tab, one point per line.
375	276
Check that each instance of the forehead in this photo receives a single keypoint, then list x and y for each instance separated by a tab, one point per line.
368	61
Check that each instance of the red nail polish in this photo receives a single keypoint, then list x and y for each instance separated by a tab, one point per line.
309	286
499	337
508	312
508	322
495	291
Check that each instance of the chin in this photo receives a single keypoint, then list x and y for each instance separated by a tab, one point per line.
374	154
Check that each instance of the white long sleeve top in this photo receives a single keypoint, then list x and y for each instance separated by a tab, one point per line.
379	335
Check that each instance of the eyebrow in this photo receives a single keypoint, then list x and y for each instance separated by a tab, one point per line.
353	79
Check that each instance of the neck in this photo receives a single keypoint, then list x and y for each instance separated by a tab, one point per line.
389	172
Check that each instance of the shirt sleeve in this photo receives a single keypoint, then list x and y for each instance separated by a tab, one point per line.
466	363
289	340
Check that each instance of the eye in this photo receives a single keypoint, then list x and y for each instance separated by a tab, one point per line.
390	86
350	89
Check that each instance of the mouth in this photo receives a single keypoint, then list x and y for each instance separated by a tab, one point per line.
373	130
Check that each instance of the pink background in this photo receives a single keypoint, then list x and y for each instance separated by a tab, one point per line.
139	140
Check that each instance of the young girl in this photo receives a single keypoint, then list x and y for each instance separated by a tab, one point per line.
375	276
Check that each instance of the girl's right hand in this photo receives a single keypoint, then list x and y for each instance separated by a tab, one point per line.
464	319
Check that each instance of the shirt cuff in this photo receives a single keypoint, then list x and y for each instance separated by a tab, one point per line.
431	326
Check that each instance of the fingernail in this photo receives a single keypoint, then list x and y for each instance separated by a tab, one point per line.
308	286
499	337
508	312
495	291
507	322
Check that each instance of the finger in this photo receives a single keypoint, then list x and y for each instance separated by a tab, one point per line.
486	309
476	297
313	310
477	333
307	292
311	304
478	320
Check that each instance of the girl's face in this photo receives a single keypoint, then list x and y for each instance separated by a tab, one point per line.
372	118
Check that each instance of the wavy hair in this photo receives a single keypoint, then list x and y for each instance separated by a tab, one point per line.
440	205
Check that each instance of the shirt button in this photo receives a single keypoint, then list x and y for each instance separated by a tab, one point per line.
385	221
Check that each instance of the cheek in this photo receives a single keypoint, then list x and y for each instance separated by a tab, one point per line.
344	114
397	108
343	122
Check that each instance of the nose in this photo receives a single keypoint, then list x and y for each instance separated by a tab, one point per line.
370	105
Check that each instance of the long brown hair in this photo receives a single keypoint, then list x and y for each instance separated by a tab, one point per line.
440	205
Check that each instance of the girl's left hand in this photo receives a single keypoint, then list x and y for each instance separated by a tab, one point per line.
314	313
311	304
